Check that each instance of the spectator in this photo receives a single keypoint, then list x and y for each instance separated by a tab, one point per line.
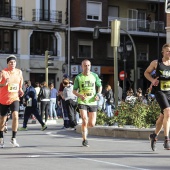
37	89
62	103
120	93
71	102
139	95
44	98
31	106
53	98
109	100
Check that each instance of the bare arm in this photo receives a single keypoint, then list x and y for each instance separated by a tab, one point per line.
148	71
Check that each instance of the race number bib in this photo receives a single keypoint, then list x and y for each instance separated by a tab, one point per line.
165	85
13	87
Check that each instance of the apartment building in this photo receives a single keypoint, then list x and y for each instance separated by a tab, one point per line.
27	29
144	20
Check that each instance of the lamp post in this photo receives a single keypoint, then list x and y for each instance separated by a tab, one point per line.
124	50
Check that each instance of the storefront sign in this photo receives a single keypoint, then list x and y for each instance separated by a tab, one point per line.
96	69
74	69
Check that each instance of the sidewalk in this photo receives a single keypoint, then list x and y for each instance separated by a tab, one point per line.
116	132
111	131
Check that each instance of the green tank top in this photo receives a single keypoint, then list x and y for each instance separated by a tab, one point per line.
87	87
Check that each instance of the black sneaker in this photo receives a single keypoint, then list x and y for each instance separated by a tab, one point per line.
153	140
166	144
85	143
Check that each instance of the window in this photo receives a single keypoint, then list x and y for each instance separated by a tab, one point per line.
45	10
85	49
94	11
8	41
142	52
5	6
113	11
42	41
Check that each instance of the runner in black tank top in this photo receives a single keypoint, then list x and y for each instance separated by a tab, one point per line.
161	84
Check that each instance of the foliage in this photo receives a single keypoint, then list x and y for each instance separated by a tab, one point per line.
139	115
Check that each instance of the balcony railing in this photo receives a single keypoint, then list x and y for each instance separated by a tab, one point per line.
12	12
139	25
46	15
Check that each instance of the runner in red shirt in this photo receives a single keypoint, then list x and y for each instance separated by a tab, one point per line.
11	81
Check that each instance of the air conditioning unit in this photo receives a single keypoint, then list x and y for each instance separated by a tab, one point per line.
152	7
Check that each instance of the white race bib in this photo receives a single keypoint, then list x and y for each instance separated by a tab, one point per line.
13	87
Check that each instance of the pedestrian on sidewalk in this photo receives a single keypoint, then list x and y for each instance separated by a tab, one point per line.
44	98
53	101
84	88
71	102
31	106
161	85
11	81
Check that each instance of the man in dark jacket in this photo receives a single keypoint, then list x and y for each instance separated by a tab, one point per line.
31	106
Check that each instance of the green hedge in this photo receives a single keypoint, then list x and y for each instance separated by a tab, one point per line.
138	115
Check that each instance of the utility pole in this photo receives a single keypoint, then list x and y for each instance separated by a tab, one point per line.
115	43
48	62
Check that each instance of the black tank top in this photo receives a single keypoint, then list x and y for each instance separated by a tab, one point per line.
163	72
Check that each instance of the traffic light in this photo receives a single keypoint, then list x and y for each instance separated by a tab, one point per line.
96	32
167	6
132	74
48	59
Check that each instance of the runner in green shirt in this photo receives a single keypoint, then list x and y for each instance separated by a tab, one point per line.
85	89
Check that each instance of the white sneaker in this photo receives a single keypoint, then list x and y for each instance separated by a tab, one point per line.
14	142
1	142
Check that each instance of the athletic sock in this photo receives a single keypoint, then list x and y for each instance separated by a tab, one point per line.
14	134
1	134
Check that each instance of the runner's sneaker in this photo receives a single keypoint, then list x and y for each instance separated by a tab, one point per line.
14	142
44	127
166	144
85	143
153	140
22	129
1	142
5	129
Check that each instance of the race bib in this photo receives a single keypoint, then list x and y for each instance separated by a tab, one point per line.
165	85
13	87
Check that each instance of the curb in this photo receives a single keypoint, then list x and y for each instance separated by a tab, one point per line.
116	132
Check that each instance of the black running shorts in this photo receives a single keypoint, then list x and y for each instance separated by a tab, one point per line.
89	108
163	99
4	109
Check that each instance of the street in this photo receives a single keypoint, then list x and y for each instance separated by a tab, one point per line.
56	148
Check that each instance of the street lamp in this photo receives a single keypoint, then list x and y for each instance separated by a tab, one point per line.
124	50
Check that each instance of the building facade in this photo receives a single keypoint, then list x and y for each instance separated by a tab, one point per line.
27	30
144	20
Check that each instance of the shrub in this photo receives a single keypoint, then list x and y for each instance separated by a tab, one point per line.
139	115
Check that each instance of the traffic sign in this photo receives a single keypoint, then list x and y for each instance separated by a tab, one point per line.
122	75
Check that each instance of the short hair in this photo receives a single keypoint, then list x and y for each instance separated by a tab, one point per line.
28	82
165	46
108	87
44	83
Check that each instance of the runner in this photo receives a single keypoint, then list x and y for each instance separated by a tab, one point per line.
11	81
85	89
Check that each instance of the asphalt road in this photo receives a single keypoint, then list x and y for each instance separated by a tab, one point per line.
57	149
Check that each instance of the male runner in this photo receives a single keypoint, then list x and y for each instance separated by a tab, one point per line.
11	81
85	89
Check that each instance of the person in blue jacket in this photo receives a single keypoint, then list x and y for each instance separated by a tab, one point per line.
31	106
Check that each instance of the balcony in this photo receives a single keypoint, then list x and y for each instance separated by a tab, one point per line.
46	15
12	12
139	25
